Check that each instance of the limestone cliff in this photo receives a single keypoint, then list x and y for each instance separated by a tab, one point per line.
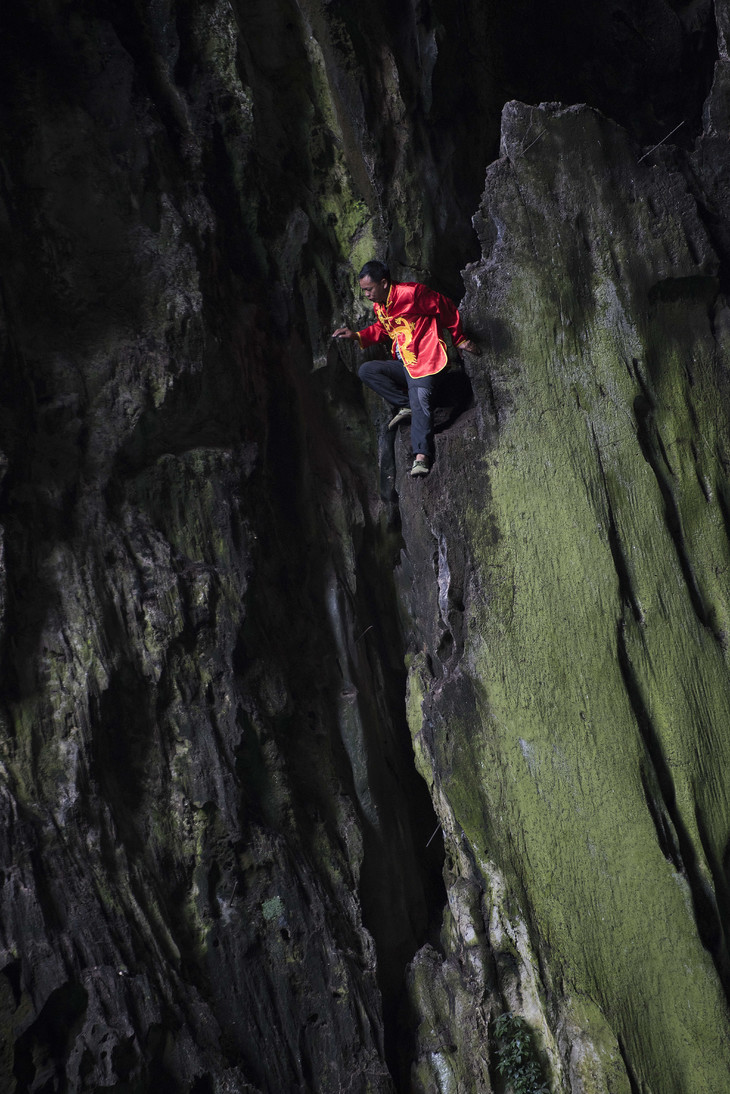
569	692
224	604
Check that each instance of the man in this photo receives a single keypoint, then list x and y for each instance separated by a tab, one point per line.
412	317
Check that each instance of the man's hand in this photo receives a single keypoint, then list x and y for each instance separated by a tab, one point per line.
470	347
345	332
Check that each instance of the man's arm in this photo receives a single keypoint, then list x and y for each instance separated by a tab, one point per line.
430	302
367	337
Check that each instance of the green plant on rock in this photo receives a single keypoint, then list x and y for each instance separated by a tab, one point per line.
516	1058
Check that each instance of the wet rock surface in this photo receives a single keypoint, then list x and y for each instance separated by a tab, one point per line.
224	603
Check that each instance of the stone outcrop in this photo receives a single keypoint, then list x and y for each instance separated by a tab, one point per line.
568	691
224	604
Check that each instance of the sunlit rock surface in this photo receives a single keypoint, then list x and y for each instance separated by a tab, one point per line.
569	682
224	603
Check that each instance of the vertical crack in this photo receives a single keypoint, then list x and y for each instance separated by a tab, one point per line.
704	903
626	591
654	452
401	883
634	1085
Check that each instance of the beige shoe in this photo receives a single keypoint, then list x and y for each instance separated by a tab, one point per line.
421	467
403	413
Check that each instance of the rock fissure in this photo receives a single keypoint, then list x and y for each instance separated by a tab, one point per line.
626	591
653	450
684	856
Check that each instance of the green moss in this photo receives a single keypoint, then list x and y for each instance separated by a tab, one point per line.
557	718
414	715
272	908
596	1061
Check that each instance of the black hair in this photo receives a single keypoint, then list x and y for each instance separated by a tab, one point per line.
377	271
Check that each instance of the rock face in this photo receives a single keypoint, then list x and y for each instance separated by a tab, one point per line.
569	687
221	866
207	777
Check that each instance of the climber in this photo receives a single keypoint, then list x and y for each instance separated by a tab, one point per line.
413	317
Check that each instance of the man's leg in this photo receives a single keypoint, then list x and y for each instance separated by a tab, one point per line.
421	394
386	378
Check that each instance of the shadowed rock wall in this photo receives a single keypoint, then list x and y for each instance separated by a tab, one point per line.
197	818
220	870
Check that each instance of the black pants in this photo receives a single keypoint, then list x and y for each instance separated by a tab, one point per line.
393	381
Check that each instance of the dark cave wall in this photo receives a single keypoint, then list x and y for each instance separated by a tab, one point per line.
216	857
194	806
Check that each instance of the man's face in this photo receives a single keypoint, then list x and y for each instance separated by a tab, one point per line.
375	291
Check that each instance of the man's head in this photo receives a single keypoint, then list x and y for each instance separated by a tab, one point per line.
375	281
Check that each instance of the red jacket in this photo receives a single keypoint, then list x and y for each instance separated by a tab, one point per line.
414	317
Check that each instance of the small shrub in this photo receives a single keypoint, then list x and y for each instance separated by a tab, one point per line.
516	1058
